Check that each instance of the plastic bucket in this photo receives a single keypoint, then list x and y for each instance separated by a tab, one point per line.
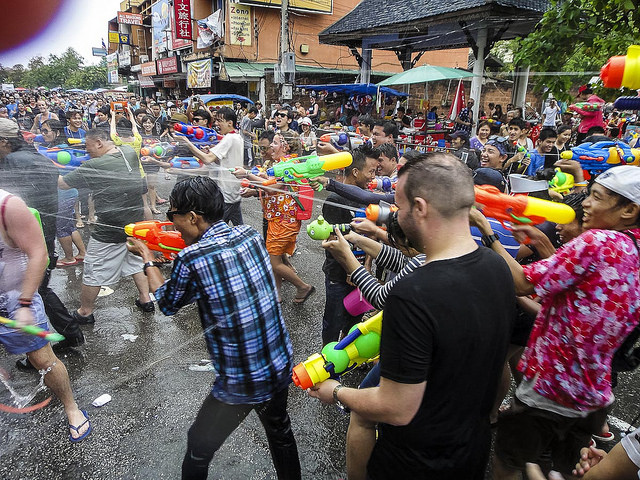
356	304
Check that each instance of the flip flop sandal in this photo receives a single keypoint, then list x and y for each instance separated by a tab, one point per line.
77	429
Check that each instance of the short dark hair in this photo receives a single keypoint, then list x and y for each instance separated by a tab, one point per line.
389	150
55	125
139	111
595	130
367	120
411	155
518	122
359	161
228	114
267	135
547	133
563	128
105	111
200	195
72	113
442	180
124	127
389	128
202	113
253	110
574	200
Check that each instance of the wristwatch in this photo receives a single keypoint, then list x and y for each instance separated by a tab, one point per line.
147	265
487	240
338	403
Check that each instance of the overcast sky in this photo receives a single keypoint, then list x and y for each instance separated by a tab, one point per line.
81	24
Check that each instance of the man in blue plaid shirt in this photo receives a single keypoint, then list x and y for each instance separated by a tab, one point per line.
227	272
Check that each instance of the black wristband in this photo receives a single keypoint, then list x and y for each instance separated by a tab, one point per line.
487	240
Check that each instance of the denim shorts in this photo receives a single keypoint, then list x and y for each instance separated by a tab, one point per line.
16	342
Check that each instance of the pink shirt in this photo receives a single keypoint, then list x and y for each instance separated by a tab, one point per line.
590	119
590	301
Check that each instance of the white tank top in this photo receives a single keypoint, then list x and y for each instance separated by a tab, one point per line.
13	261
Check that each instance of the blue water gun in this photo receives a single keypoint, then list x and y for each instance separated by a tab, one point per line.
185	163
64	157
198	135
600	156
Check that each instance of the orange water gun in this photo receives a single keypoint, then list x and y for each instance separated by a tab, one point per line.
157	237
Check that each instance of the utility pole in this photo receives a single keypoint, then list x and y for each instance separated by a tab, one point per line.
287	59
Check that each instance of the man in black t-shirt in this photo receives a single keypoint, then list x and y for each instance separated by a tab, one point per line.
336	318
446	328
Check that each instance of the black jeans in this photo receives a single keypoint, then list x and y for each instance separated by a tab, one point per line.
217	420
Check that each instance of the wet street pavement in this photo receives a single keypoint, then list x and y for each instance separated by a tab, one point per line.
141	433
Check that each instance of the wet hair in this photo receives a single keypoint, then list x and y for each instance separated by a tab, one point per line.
101	134
369	151
547	133
574	200
389	150
293	140
200	195
359	160
228	114
123	127
441	180
56	126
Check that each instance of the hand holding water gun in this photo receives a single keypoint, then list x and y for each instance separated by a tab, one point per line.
587	106
32	330
320	229
601	156
521	209
158	150
185	163
154	234
361	345
198	135
302	168
561	182
63	157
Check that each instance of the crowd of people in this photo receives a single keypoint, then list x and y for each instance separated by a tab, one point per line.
468	303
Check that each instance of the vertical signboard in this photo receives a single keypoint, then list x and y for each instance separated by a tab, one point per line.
239	24
182	15
159	26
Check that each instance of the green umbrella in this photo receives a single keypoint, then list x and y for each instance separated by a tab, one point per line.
425	73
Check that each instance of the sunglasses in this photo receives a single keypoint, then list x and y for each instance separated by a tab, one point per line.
496	138
171	213
281	114
197	119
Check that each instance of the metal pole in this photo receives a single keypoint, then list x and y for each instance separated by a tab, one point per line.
478	70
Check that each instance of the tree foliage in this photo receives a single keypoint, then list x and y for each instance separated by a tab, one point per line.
578	36
66	70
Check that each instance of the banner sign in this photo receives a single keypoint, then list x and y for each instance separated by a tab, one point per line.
177	43
124	38
239	25
129	18
159	26
114	37
148	69
98	52
199	74
182	15
315	6
112	68
146	82
168	65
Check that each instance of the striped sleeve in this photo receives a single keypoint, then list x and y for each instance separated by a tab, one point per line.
392	259
375	293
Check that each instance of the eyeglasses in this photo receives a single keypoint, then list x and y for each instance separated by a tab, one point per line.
171	213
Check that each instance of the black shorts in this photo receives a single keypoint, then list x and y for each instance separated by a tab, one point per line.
522	327
525	433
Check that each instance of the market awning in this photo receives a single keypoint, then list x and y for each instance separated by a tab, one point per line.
426	73
253	72
354	89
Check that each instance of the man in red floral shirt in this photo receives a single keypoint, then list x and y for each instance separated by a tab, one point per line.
590	292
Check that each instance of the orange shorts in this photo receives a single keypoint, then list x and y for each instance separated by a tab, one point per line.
281	237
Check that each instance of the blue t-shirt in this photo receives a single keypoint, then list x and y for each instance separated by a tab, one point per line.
537	162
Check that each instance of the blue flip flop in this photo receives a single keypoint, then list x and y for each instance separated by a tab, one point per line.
85	434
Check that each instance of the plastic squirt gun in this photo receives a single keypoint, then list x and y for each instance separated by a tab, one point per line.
601	156
320	229
587	106
33	330
343	140
202	135
382	184
185	163
158	150
521	209
62	157
301	168
623	70
361	345
561	182
153	233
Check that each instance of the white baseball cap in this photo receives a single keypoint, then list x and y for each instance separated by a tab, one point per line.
624	180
